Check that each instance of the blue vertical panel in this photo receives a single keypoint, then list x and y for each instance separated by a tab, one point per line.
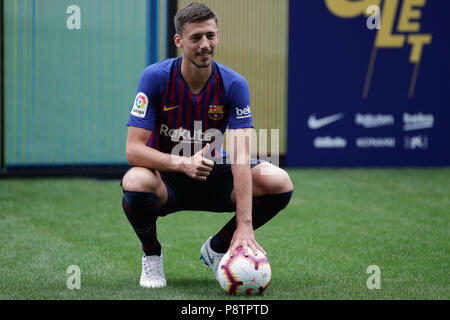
152	31
368	97
68	92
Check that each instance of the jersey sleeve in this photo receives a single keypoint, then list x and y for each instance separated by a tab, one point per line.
143	112
239	102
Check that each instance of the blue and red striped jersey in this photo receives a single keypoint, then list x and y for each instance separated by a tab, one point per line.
165	105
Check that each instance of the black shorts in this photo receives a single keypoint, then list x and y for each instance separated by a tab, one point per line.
214	194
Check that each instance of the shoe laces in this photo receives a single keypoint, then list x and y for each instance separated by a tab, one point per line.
153	266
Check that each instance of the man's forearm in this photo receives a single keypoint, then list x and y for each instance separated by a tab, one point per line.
140	155
242	177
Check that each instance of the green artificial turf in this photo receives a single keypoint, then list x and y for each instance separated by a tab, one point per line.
337	224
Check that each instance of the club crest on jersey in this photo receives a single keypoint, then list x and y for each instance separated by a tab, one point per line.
215	112
140	105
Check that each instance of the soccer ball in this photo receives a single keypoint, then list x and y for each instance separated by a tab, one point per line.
241	275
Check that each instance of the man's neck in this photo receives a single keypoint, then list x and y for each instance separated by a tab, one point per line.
194	76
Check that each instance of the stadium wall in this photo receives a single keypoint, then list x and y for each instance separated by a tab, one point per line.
67	88
67	91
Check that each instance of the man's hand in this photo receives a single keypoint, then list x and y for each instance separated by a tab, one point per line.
244	236
198	167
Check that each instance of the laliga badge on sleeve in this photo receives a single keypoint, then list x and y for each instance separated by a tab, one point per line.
140	105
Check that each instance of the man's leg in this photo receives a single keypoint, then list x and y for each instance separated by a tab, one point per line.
272	191
144	194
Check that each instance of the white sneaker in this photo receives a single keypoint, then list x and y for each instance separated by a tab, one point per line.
152	275
210	257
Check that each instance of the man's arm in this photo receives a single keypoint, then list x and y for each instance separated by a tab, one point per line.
139	155
240	155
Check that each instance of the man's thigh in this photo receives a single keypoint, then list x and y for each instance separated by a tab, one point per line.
185	193
214	194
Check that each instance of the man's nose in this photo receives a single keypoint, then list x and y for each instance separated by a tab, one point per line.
204	43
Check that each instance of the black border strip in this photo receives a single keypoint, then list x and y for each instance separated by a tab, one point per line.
172	7
91	171
227	309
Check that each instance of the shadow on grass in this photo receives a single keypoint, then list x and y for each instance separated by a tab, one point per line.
198	288
192	283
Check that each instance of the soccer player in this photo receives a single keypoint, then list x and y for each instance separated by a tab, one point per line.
185	101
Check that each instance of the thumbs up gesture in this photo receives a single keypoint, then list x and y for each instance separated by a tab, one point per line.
198	166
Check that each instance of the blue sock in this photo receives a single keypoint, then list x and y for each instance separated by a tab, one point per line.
142	210
264	207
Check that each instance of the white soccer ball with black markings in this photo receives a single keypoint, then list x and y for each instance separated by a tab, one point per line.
241	275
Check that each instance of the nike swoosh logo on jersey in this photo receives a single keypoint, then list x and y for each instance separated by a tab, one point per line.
169	108
314	123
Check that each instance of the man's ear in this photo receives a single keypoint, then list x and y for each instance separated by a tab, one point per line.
178	41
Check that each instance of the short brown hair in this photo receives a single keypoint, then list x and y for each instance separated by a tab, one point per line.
193	12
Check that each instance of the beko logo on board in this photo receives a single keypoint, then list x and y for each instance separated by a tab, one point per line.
417	121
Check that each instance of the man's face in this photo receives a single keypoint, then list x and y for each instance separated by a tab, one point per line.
199	41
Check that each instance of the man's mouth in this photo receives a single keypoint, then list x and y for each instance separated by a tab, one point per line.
204	54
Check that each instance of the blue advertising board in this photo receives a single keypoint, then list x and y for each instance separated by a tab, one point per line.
368	83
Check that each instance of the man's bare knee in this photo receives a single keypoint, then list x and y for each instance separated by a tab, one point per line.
140	180
270	179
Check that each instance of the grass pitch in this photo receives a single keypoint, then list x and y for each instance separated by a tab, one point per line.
338	223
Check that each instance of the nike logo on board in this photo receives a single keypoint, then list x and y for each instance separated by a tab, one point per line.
314	123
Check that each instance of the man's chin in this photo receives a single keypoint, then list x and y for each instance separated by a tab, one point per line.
204	65
201	64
